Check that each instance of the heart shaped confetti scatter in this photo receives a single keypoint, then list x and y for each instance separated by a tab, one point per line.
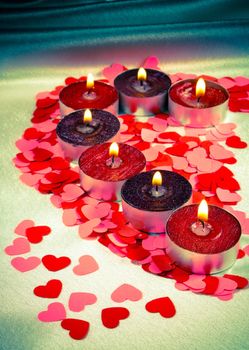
113	315
51	290
18	247
163	306
55	312
36	233
25	264
52	263
78	329
78	301
126	292
200	155
87	264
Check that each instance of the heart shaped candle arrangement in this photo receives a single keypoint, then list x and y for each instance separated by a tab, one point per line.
194	156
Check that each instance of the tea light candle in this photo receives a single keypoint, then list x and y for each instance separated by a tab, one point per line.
105	167
85	128
202	242
143	92
149	198
88	94
198	103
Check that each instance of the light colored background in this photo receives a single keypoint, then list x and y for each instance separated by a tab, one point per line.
201	322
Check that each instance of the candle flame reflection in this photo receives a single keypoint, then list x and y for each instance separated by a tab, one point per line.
157	179
87	116
141	74
90	81
203	211
200	88
114	149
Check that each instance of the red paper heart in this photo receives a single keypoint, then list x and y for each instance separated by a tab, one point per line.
78	329
35	234
235	142
112	315
179	149
51	290
163	306
55	264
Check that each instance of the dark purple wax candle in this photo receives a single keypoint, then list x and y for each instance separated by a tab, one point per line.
145	96
75	135
147	206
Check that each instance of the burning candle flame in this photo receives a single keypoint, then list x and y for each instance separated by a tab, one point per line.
157	179
141	74
200	88
87	116
114	149
203	211
90	81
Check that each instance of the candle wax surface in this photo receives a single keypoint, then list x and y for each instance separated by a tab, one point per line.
69	128
75	95
93	162
156	83
137	191
183	93
224	235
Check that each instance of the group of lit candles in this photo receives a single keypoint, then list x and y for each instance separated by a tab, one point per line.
154	201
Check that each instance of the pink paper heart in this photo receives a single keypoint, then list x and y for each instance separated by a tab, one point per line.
227	196
151	62
69	217
179	163
241	81
22	226
246	249
219	152
225	128
159	124
47	126
126	292
25	264
78	301
148	135
31	179
71	192
113	71
99	211
195	282
55	312
86	228
225	284
87	264
226	83
26	145
19	246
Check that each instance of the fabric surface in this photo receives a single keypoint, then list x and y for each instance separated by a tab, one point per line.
42	42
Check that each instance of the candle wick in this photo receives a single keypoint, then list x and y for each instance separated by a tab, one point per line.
141	82
156	188
203	224
89	92
112	161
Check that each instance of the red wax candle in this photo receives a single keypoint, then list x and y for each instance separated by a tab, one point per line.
203	109
211	252
102	180
78	96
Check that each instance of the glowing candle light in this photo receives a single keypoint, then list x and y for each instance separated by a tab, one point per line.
90	82
87	118
141	75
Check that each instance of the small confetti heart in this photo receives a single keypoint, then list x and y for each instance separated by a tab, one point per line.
78	329
87	264
126	292
112	315
78	301
55	312
25	264
52	263
51	290
163	306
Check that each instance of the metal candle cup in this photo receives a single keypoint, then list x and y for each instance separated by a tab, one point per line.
77	96
206	111
103	181
145	97
75	136
208	254
147	210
